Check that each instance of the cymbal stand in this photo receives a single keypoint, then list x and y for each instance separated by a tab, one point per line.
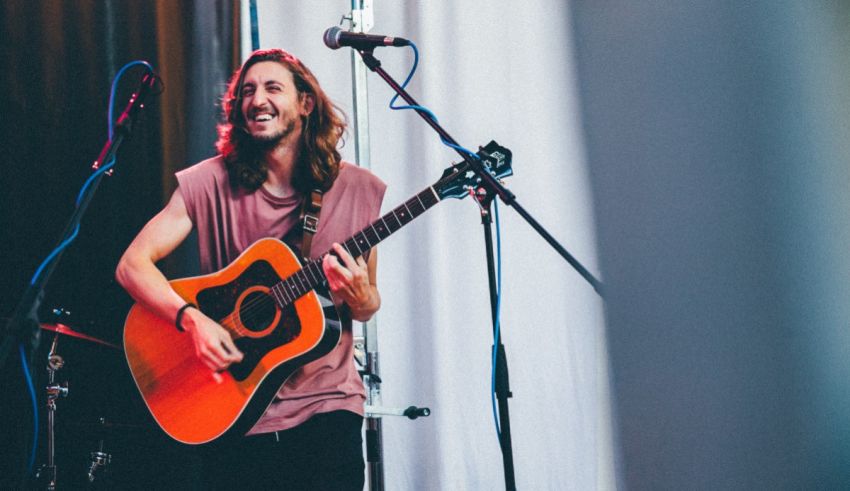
54	363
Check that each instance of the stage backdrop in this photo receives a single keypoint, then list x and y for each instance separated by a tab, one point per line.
489	70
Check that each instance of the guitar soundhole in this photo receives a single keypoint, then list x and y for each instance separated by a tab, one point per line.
258	326
257	311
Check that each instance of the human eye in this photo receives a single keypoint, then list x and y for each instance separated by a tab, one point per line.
247	90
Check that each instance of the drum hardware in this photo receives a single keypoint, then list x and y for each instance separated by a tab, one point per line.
47	473
99	458
63	329
54	391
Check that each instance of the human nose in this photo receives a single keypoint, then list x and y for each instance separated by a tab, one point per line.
259	98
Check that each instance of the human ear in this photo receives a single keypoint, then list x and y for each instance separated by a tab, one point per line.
308	103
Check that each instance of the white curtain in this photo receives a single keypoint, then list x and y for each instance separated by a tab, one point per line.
498	70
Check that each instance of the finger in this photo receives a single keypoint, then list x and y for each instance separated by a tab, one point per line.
346	257
230	356
217	377
215	357
230	349
328	263
209	364
334	270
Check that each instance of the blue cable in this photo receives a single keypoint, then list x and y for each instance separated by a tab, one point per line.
255	29
53	254
31	462
498	317
67	241
101	170
424	109
473	155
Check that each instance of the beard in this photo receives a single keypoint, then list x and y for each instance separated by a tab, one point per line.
269	141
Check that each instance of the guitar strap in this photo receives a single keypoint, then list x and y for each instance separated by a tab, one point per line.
310	221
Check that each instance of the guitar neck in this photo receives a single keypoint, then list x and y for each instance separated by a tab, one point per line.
312	274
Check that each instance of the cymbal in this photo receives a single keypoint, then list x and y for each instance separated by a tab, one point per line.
63	329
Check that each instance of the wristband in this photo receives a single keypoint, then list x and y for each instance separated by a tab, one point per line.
179	317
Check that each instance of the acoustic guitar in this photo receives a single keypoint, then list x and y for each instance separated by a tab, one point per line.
278	312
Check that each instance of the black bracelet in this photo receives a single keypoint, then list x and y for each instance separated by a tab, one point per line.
179	317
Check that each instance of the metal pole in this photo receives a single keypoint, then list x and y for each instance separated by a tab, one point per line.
361	21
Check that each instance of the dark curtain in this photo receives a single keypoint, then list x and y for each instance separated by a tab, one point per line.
57	62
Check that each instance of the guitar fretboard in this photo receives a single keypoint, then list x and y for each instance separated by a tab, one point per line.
311	275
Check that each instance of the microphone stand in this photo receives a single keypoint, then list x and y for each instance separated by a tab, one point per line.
491	187
23	325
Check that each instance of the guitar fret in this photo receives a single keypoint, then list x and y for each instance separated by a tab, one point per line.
403	216
277	295
398	222
307	280
311	268
284	293
350	246
433	195
304	286
347	246
372	236
377	233
385	227
361	240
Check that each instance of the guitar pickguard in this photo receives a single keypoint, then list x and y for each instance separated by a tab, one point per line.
257	324
254	312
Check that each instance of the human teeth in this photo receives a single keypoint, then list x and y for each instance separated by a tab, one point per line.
263	117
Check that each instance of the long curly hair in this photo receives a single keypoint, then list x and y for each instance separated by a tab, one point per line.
318	163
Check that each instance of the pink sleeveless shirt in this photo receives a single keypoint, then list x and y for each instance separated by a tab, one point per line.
229	219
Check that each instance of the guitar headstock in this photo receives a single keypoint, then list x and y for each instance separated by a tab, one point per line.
458	179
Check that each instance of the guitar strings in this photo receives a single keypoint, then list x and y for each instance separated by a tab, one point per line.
249	310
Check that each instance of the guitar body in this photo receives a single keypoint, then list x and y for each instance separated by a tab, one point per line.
181	392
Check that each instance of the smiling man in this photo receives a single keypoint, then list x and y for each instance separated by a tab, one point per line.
277	146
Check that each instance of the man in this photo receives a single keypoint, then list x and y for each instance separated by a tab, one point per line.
277	145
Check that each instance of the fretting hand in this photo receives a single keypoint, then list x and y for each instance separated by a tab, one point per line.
350	281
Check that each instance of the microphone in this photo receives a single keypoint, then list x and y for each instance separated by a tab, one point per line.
124	123
336	38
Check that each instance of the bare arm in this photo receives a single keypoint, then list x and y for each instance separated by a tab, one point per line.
137	271
138	274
